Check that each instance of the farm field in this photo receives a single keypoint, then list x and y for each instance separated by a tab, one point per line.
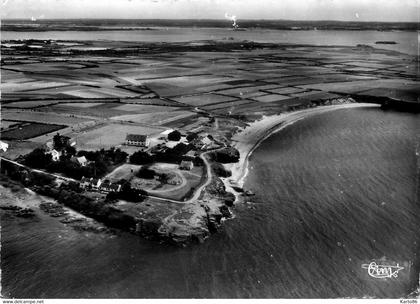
156	118
136	108
203	99
43	117
29	104
29	130
101	97
110	135
5	124
81	104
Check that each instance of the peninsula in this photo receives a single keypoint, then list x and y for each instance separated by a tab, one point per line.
154	138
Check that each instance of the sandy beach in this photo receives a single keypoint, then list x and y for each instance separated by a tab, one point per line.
249	138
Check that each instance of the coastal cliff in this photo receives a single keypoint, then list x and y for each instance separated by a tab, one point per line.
158	220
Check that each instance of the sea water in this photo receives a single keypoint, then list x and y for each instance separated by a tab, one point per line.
406	42
333	192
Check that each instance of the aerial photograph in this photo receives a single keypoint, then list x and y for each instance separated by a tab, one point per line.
210	149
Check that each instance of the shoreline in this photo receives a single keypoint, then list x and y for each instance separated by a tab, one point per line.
248	139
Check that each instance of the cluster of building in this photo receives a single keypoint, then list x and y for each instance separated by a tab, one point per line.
203	142
99	185
200	143
55	153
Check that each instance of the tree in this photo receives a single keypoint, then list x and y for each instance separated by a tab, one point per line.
127	193
192	136
226	155
38	159
180	149
174	135
99	167
60	141
70	151
120	156
141	158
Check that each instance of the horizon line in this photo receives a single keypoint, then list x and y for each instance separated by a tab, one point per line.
207	19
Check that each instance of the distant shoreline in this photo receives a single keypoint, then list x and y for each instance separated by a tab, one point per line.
100	24
247	140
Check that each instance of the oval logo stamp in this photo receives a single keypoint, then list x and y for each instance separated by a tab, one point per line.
383	270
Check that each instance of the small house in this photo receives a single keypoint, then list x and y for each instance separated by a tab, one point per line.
137	140
190	155
55	155
115	188
206	141
84	182
186	165
160	148
4	146
197	143
49	146
96	183
82	161
107	186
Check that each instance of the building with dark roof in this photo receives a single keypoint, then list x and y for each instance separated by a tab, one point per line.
137	140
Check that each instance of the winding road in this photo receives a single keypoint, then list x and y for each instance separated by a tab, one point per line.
192	199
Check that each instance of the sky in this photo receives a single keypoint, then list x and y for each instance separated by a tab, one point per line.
344	10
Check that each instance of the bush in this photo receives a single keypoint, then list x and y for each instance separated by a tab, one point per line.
174	135
146	172
226	155
220	170
164	178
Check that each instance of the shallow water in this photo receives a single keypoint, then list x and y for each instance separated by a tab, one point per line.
333	191
407	42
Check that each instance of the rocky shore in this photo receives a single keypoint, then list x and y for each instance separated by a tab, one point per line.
21	202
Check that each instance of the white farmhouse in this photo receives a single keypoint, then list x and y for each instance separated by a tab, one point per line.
137	140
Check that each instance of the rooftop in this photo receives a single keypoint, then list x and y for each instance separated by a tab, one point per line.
136	137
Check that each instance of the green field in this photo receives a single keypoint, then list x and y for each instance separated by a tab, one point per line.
29	130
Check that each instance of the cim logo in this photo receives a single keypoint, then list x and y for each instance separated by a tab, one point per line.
383	270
